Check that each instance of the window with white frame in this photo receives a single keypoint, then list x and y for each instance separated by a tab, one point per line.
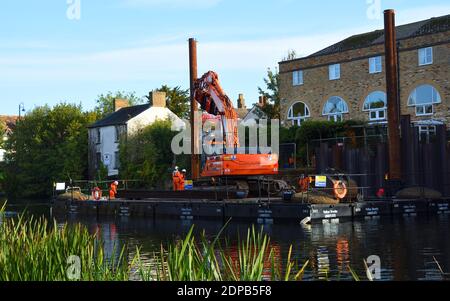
298	113
98	135
117	133
426	56
335	72
375	65
424	98
297	78
335	108
376	105
426	132
116	160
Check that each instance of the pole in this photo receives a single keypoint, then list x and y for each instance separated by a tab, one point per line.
392	96
195	159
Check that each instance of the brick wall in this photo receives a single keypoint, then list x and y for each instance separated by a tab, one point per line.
356	83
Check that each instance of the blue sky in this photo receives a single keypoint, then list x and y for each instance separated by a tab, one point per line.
138	45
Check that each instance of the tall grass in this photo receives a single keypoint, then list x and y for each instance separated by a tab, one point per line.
34	250
202	260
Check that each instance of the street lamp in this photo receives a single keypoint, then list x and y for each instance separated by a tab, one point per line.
21	109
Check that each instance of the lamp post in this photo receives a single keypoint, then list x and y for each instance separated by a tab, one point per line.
21	109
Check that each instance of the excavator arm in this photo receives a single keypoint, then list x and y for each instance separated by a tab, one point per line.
213	100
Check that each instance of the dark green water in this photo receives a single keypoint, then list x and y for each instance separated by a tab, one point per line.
406	246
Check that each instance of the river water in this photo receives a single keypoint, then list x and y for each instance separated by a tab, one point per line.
406	246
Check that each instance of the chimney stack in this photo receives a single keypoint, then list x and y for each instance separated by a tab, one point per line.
120	103
262	101
158	99
241	102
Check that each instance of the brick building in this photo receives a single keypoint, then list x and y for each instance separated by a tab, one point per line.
347	80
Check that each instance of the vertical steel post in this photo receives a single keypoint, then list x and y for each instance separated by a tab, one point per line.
393	106
195	159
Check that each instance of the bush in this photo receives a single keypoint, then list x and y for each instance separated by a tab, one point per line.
314	130
147	155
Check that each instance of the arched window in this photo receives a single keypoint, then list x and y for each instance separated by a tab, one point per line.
335	108
376	105
298	113
424	98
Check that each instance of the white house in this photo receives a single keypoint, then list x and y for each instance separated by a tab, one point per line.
104	135
9	123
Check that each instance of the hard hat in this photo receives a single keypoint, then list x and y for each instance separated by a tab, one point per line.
176	167
117	183
184	170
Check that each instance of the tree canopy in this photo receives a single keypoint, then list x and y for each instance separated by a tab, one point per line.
50	144
177	100
272	94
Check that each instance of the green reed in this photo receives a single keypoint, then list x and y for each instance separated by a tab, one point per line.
34	250
193	259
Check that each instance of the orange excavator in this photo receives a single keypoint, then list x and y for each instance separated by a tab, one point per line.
228	161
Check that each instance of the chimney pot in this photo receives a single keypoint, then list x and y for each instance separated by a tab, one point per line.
241	102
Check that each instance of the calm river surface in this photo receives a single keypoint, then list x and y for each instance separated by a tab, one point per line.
406	246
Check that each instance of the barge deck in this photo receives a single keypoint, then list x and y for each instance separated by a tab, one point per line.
262	211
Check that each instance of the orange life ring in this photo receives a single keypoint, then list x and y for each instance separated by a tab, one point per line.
340	189
97	193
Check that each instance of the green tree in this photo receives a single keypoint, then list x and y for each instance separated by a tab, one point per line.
105	102
2	133
147	155
49	144
177	100
272	94
292	55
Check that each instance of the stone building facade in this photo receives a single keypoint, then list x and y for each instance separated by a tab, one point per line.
347	80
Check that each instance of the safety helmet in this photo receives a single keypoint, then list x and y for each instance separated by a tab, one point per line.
115	182
184	170
176	167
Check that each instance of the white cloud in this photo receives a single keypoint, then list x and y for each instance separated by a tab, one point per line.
172	3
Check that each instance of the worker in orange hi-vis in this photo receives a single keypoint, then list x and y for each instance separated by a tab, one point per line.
113	190
182	179
176	178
